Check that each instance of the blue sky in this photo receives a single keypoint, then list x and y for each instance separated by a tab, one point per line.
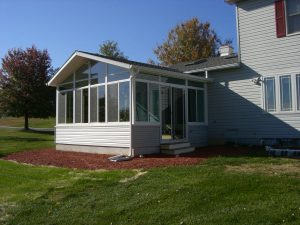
62	26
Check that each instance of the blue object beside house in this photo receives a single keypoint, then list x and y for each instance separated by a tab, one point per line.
116	106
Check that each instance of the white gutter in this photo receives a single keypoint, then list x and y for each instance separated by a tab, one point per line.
228	66
172	74
238	33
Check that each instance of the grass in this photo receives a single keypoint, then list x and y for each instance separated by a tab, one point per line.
12	140
223	190
33	122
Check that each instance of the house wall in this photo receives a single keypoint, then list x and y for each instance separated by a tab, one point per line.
235	103
145	139
105	139
260	48
197	135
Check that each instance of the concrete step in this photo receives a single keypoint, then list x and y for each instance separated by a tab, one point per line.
177	151
175	146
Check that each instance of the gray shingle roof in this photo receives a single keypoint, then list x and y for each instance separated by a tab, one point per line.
206	64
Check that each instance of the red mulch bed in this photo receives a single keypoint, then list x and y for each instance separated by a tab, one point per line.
51	157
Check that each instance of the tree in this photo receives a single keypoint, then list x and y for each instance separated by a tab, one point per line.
111	48
23	84
188	41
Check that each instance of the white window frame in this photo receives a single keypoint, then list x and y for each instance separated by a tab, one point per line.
287	21
294	96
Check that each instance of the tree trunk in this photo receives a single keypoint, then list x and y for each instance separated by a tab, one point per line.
26	126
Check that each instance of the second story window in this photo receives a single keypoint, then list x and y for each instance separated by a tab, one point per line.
293	16
287	15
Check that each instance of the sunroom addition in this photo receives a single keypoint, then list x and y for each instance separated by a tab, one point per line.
114	106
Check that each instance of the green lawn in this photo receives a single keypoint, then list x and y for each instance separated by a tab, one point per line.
223	190
12	140
33	122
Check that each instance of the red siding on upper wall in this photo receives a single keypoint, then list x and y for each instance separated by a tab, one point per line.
280	18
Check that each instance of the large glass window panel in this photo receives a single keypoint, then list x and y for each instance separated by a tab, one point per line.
115	69
93	108
101	103
78	96
80	84
172	80
141	93
166	111
85	106
147	77
112	103
298	91
270	96
118	76
82	72
200	106
178	113
65	86
192	109
68	79
293	15
285	93
69	112
124	101
61	107
98	72
154	103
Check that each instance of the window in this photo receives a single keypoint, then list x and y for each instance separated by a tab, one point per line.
85	106
82	73
116	73
196	107
285	93
293	16
270	98
141	101
93	108
61	107
101	103
112	103
147	102
98	72
154	103
124	101
65	107
172	80
298	91
78	96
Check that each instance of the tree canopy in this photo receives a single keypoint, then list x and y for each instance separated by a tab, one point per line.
111	48
23	84
188	41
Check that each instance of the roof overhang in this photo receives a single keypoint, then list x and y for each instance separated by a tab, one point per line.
227	66
76	60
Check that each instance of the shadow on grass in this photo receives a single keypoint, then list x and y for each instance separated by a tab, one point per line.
33	131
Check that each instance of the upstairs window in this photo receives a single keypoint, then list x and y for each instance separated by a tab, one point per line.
293	16
287	16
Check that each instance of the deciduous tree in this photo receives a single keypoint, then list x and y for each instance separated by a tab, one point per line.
23	84
188	41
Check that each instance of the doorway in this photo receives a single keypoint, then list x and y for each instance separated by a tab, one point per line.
173	122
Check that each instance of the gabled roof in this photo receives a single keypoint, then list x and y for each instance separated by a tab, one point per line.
212	63
78	58
232	1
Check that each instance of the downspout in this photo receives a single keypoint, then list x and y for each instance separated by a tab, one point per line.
132	75
238	33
